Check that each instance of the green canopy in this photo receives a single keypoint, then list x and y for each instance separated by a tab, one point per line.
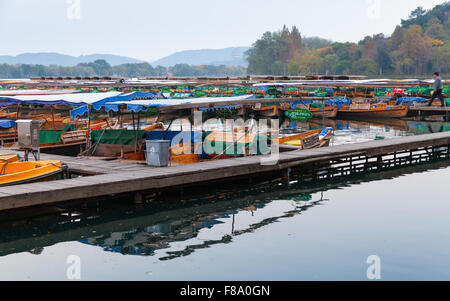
122	137
49	136
226	148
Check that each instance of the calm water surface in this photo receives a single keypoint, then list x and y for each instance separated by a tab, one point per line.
269	233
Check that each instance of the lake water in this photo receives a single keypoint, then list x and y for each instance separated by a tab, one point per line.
325	232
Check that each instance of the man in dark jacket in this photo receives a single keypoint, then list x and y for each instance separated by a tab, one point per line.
437	93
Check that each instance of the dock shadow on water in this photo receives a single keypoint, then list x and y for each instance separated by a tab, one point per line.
241	216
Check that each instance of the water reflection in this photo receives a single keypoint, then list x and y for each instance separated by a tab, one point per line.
176	229
354	131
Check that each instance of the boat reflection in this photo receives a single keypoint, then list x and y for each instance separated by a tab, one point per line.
175	229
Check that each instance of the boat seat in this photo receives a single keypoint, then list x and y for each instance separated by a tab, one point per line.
72	137
311	141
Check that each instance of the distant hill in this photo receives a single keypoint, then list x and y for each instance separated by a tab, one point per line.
232	56
47	59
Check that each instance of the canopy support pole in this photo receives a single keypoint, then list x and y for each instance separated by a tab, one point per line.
89	127
119	119
135	133
18	111
53	124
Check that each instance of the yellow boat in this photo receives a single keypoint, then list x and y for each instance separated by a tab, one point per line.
13	173
8	158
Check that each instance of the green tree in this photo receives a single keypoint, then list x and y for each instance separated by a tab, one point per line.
365	66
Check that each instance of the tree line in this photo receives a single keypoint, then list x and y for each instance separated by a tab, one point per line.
419	46
102	68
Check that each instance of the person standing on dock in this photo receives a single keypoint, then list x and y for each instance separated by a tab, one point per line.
437	93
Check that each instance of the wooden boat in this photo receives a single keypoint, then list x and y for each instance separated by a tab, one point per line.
13	173
310	139
318	112
270	110
154	126
8	158
242	142
373	110
325	112
8	131
6	115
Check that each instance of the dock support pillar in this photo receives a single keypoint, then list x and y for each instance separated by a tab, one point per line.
380	162
138	197
287	177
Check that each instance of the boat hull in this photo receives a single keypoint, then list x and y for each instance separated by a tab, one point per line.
326	112
375	113
16	173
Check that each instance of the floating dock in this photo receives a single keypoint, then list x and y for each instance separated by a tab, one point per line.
442	110
103	179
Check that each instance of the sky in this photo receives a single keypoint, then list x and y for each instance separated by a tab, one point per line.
150	29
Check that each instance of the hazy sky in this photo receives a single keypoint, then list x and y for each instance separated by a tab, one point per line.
151	29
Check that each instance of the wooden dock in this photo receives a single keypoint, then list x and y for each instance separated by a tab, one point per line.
109	178
436	110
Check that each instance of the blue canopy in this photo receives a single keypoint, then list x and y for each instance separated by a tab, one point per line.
120	98
203	103
219	107
7	124
295	104
410	100
338	102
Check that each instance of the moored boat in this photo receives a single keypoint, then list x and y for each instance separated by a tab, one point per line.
373	110
324	112
8	158
13	173
310	139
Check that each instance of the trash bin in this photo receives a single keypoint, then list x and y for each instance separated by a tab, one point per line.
157	153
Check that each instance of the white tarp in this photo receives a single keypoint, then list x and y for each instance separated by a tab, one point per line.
76	98
175	102
343	82
36	92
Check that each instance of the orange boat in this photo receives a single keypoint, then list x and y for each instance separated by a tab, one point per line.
8	158
6	115
298	140
13	173
325	112
373	110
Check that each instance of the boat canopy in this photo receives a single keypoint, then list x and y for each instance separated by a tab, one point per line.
338	102
380	82
11	93
123	98
77	99
143	105
82	100
7	124
410	100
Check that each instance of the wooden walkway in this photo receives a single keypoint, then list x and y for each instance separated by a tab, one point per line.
430	109
112	178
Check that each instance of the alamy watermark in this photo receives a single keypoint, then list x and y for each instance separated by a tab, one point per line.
73	271
373	9
374	270
73	11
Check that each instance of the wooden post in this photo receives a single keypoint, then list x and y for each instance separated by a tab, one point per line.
18	111
138	197
89	127
135	132
53	124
